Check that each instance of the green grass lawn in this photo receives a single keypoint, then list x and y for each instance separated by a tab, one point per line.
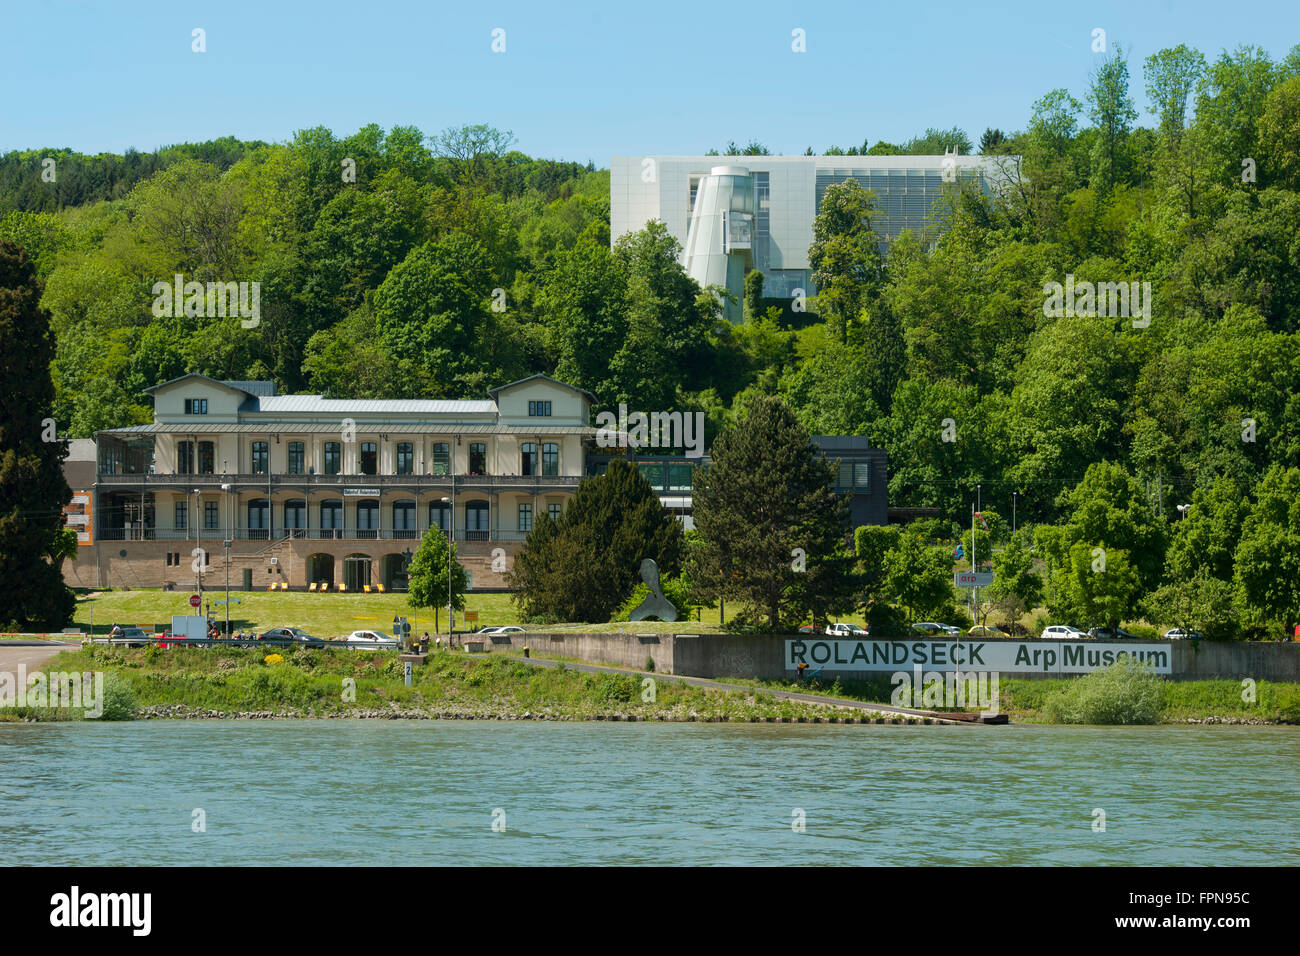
324	615
331	615
335	615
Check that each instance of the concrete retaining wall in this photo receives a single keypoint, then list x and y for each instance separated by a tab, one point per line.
763	657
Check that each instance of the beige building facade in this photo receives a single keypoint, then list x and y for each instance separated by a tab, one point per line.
231	478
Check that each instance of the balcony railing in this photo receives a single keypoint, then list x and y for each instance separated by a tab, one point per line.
324	482
212	537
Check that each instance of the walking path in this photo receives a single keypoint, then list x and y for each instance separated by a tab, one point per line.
709	684
31	654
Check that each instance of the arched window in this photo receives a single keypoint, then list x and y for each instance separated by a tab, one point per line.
477	527
405	458
404	519
259	518
368	518
331	518
295	516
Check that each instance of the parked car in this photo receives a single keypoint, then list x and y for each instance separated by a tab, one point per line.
810	629
130	636
1112	634
291	635
1062	632
986	630
1178	634
500	629
363	640
930	627
841	629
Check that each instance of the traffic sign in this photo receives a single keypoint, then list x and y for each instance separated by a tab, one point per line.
969	579
195	601
471	615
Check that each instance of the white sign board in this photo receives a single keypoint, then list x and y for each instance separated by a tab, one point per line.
976	579
1005	657
192	626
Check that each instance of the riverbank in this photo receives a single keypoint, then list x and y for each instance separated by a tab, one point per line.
1026	701
239	683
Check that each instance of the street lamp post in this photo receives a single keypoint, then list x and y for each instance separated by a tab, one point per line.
451	536
226	489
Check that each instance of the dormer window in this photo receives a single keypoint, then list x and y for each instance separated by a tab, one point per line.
539	409
196	406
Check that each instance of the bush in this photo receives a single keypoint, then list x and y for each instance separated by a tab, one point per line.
119	698
649	663
1124	693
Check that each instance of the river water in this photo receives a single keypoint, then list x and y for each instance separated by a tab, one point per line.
429	792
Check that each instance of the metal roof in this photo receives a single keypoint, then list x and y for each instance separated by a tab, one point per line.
321	428
394	406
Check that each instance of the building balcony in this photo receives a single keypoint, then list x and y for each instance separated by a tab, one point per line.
211	537
308	483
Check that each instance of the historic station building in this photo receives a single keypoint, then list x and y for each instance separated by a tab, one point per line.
300	489
297	491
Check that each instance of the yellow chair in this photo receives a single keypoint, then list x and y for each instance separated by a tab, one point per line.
366	588
271	586
312	586
380	588
284	585
342	586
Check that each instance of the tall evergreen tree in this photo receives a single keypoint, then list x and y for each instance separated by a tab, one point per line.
772	532
32	487
583	567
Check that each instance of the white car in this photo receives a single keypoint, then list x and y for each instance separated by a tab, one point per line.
1062	632
840	629
930	627
370	639
501	629
1178	634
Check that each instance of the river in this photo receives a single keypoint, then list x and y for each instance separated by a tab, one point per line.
430	792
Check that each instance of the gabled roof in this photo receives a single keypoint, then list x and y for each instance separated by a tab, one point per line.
573	388
251	389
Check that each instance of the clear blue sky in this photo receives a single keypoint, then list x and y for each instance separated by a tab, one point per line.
577	81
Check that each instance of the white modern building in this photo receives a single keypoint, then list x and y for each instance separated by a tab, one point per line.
736	213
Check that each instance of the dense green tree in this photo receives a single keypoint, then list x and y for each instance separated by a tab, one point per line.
1267	559
918	577
772	532
430	571
583	567
32	488
845	257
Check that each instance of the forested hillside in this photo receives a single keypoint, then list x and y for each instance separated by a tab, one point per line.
451	263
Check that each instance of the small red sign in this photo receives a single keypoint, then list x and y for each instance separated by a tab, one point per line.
194	600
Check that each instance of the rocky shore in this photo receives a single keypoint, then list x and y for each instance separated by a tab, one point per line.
185	712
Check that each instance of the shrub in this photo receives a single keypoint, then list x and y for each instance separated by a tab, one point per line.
1124	693
273	659
119	698
649	663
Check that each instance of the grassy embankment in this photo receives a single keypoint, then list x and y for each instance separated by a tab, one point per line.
1061	701
226	681
330	615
